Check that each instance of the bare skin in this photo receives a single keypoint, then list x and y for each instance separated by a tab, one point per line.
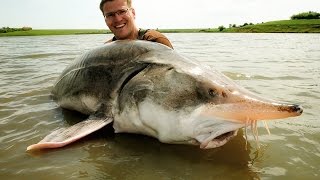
122	26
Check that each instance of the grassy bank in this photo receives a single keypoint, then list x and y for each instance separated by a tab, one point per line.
284	26
200	30
44	32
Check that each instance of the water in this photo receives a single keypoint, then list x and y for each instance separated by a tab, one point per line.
285	67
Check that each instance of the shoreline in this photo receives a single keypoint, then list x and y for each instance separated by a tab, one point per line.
282	26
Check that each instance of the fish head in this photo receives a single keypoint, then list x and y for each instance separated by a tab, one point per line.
196	105
232	107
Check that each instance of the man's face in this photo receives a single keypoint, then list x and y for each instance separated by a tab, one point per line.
120	19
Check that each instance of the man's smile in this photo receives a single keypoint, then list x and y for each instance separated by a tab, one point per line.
119	26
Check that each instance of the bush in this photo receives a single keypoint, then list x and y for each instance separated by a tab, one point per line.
232	25
306	15
26	28
246	24
8	29
221	28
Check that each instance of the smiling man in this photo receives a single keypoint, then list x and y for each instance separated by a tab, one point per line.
120	16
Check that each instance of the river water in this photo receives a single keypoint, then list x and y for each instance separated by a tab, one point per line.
284	67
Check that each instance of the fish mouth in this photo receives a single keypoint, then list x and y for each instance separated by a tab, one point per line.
220	123
213	135
220	140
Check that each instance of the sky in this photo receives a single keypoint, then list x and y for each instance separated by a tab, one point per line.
151	14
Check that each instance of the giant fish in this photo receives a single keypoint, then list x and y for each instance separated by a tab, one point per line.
147	88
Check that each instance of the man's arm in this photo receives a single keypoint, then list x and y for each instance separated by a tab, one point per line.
155	36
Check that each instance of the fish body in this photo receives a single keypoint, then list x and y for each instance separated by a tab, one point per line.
147	88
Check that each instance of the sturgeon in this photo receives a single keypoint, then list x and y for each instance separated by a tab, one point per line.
147	88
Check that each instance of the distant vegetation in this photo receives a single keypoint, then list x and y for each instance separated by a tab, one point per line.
306	22
8	29
306	15
221	28
282	26
45	32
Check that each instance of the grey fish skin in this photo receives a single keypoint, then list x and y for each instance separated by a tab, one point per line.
98	73
150	89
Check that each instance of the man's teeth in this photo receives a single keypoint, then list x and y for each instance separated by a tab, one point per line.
120	26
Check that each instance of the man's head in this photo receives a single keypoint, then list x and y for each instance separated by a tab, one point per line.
104	1
120	18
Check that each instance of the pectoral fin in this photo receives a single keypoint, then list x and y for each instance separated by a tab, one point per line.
65	136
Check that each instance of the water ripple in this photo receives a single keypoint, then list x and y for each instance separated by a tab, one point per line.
38	55
279	66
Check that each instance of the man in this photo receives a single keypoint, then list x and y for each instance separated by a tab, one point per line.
120	16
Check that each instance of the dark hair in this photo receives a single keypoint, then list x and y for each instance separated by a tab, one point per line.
104	1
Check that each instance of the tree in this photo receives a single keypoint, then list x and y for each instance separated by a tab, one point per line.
8	29
221	28
26	28
306	15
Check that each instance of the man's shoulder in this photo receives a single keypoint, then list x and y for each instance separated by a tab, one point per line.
156	36
153	33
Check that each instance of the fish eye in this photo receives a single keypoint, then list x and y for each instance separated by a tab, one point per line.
224	94
212	92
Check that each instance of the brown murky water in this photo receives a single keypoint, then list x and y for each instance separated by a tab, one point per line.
285	67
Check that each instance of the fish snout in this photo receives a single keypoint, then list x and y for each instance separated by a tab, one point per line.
269	111
295	108
243	105
252	110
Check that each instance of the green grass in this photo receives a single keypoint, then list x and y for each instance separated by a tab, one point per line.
288	22
200	30
283	26
44	32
